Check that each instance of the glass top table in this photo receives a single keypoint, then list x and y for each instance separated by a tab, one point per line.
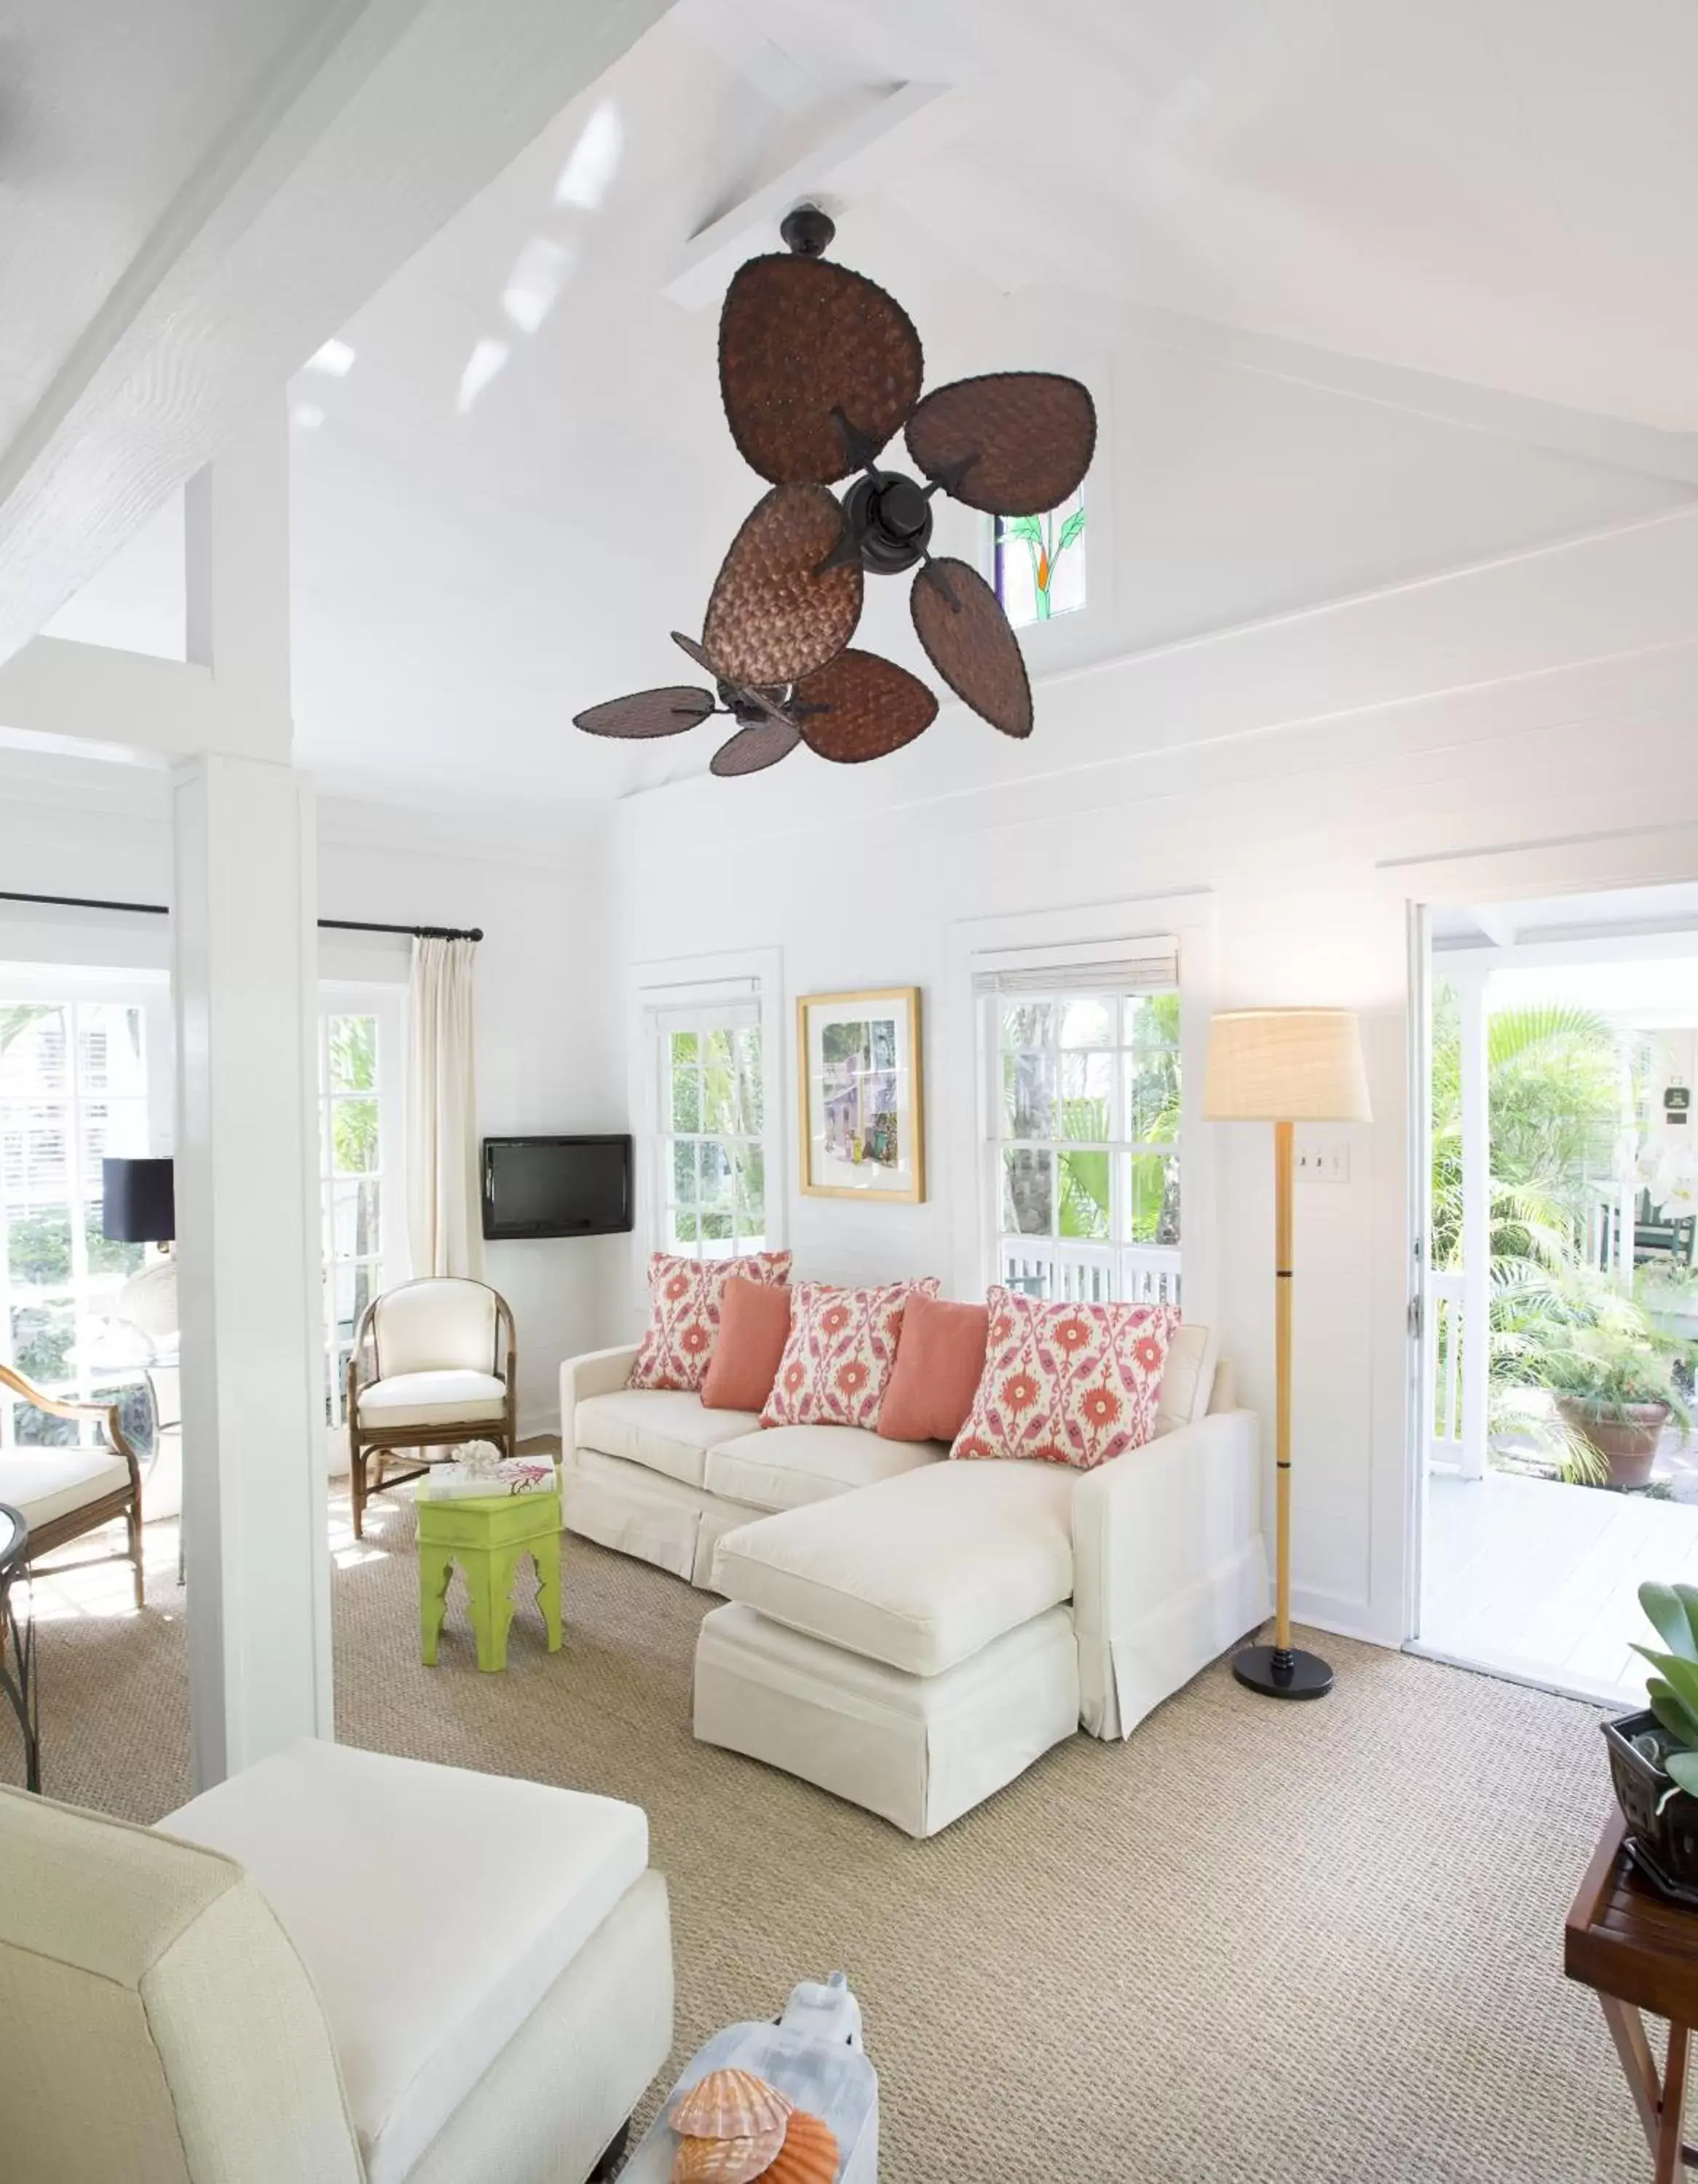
18	1640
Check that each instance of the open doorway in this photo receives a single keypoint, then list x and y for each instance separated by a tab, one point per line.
1559	1328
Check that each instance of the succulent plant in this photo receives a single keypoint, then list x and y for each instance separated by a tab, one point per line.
1672	1610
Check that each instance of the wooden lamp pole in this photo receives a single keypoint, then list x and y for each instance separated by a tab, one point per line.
1284	1065
1283	1134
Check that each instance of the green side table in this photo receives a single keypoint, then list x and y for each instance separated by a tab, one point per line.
486	1535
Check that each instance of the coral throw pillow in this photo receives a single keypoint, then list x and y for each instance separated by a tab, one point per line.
684	1298
1075	1384
939	1361
842	1344
754	1326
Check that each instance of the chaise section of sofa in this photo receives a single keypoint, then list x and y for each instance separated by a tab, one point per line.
910	1632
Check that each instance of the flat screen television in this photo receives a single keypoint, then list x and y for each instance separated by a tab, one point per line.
578	1186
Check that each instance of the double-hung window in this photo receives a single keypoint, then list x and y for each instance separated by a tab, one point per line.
1081	1145
708	1145
360	1165
73	1090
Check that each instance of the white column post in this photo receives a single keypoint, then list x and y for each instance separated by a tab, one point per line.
250	1276
245	987
1477	1218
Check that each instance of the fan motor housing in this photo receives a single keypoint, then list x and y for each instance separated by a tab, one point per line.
890	521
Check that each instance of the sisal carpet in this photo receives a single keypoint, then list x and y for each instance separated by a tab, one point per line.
1258	1945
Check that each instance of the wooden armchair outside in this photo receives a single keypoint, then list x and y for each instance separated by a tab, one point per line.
77	1491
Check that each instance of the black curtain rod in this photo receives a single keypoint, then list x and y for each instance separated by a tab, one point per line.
326	924
418	932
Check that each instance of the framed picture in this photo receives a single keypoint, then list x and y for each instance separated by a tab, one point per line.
863	1103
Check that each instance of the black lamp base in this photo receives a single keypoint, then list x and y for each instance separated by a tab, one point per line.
1277	1675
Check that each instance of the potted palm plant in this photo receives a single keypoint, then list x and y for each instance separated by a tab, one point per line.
1614	1386
1609	1369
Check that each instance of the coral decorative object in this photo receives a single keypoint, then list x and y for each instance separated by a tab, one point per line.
684	1298
726	2160
841	1350
1075	1384
807	2156
730	2104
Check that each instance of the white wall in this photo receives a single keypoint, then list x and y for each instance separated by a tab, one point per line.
545	1039
1316	775
545	992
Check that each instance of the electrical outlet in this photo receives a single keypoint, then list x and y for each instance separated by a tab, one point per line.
1323	1163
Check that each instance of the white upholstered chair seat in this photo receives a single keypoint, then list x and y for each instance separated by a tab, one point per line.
424	1399
47	1483
434	1908
786	1466
429	1358
665	1430
919	1572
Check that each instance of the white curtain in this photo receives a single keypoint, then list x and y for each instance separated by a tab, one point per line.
444	1221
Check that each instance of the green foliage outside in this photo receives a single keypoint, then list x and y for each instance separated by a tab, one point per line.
718	1091
1082	1126
1558	1327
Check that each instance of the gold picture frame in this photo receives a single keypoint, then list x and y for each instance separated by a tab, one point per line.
861	1090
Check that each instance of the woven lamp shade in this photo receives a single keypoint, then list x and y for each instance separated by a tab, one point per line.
1286	1066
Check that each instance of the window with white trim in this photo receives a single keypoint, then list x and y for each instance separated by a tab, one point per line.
710	1138
73	1090
360	1165
1081	1148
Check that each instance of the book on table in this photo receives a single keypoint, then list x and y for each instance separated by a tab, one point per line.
457	1482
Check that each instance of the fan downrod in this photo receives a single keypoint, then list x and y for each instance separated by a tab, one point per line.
806	231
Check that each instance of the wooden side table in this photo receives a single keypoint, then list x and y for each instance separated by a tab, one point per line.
486	1535
1639	1951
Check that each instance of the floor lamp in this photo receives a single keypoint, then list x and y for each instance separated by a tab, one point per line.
1284	1066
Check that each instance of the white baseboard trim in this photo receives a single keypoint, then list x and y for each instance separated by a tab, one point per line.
1341	1617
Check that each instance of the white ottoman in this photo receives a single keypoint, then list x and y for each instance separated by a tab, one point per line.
909	1647
493	1956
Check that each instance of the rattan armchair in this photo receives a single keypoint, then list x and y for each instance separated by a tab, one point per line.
432	1365
66	1492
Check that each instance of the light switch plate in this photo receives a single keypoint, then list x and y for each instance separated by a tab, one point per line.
1323	1163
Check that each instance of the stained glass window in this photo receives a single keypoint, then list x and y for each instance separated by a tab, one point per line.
1041	562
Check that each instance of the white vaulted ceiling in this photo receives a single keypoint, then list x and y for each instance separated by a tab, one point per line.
1366	292
107	115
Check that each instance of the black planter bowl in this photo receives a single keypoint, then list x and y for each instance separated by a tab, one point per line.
1662	1828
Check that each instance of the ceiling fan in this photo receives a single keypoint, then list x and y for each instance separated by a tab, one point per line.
819	370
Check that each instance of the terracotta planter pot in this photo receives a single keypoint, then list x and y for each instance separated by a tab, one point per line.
1626	1445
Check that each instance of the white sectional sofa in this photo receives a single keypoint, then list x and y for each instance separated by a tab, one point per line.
909	1632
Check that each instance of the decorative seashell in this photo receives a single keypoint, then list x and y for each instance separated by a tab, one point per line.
808	2155
726	2160
730	2104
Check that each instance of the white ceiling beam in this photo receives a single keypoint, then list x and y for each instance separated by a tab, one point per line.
1495	921
379	127
1522	418
63	695
230	696
714	252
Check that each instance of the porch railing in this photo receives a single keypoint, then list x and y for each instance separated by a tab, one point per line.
1075	1274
